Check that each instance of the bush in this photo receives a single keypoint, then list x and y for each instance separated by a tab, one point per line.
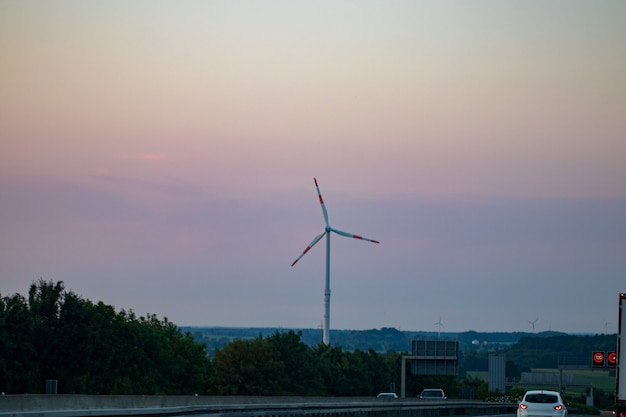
583	409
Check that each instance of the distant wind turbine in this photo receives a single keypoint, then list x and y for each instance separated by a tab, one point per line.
327	230
532	323
440	324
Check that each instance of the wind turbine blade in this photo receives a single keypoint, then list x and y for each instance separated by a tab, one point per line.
308	248
346	234
322	202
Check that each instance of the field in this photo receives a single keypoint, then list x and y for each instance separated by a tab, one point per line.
574	381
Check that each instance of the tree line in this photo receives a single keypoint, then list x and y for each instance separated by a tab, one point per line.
90	348
544	352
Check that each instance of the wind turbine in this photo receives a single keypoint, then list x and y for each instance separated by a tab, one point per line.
327	230
440	324
532	323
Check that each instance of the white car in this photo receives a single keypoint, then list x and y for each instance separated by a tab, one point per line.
387	395
541	403
433	394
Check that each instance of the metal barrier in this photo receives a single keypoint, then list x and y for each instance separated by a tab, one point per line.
199	406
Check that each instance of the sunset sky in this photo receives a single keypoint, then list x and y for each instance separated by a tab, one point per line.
159	157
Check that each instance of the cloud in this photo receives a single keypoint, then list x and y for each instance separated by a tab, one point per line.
148	156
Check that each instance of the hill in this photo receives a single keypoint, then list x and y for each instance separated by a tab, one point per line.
382	340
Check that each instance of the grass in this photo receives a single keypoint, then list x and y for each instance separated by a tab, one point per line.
576	380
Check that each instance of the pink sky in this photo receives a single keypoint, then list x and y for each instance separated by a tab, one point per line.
160	157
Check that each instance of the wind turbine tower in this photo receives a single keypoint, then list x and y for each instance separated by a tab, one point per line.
327	230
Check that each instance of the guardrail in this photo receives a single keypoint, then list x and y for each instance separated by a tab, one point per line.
235	406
